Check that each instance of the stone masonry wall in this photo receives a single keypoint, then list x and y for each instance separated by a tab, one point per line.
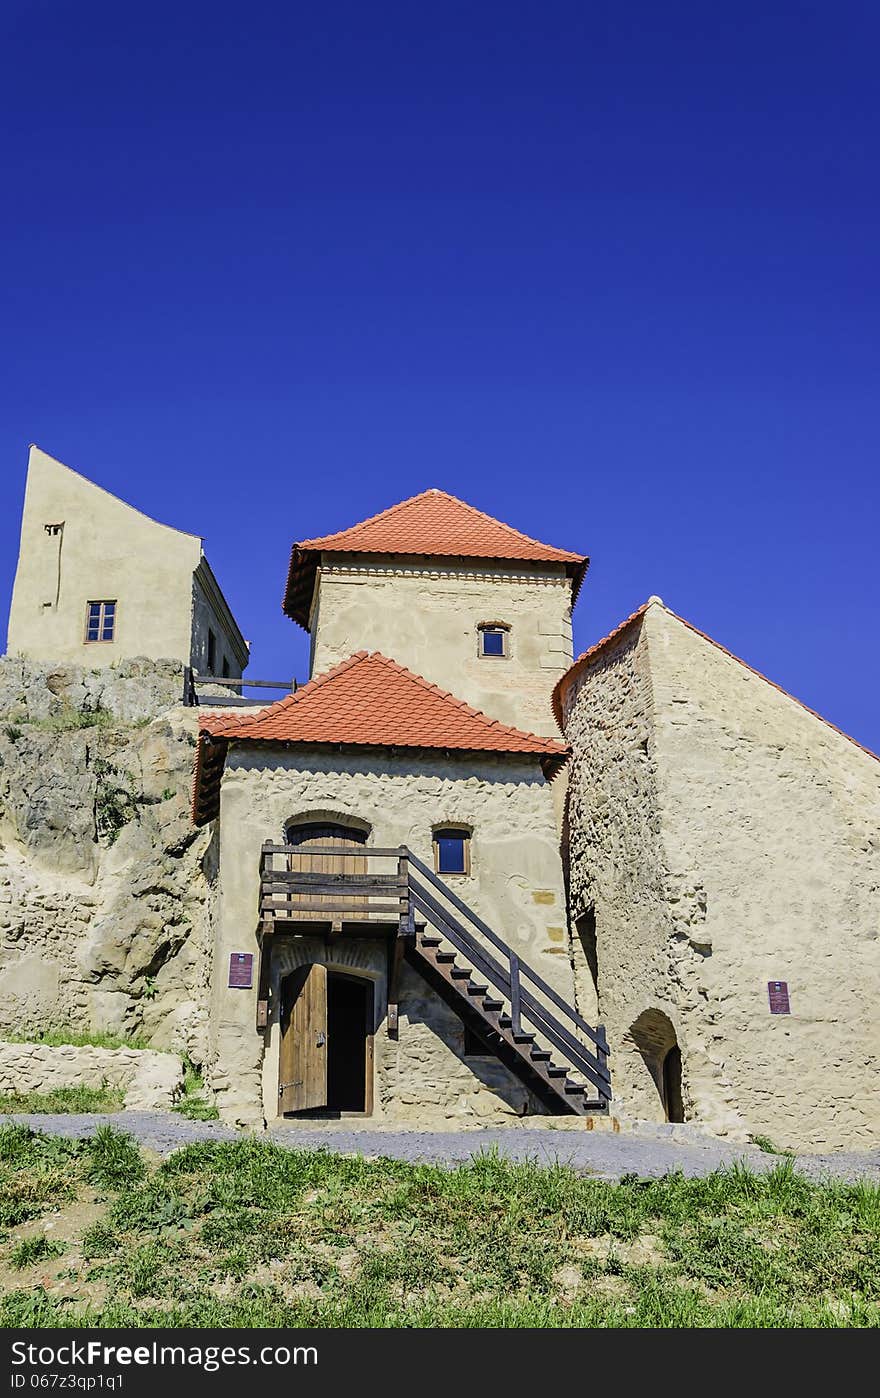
771	827
515	884
151	1080
105	887
617	866
727	837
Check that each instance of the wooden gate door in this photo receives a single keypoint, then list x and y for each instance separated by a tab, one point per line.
302	1063
326	835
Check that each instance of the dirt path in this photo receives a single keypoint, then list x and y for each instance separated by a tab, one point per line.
645	1151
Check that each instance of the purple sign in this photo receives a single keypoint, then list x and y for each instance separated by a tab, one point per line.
241	970
778	993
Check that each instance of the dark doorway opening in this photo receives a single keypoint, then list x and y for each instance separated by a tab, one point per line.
349	1036
672	1085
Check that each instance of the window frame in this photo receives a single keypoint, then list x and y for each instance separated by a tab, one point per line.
462	832
211	651
102	604
501	628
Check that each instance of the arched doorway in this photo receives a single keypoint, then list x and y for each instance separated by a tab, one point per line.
653	1034
326	1052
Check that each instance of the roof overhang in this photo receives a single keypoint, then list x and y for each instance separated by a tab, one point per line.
305	562
211	755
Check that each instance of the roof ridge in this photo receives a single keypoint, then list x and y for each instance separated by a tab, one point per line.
371	519
594	650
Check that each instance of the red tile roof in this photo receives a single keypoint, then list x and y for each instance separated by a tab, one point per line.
366	701
432	525
583	661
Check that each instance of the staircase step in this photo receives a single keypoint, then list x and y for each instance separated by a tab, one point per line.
575	1087
474	989
523	1038
444	957
490	1004
553	1070
430	941
460	973
539	1055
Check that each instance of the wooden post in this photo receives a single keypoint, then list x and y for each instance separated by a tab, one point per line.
602	1054
264	977
405	927
515	1007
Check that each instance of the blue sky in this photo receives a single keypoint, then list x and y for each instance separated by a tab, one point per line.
608	272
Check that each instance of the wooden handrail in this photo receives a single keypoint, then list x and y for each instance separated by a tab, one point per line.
593	1067
525	969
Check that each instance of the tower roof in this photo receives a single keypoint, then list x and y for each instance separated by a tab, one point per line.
433	524
366	701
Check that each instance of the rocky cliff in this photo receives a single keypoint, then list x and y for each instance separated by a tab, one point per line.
106	889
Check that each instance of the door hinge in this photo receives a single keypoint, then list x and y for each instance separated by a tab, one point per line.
283	1085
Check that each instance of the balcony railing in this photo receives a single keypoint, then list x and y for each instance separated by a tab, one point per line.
331	883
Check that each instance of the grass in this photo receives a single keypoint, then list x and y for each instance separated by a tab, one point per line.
63	1099
250	1234
60	1037
765	1144
193	1103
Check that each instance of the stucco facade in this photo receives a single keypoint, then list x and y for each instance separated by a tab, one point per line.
426	614
81	545
515	884
724	837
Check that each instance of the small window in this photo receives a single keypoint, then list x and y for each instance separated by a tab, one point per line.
452	853
225	668
212	651
100	621
493	639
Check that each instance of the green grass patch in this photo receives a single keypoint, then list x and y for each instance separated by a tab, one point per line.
247	1233
76	1038
193	1103
34	1249
63	1099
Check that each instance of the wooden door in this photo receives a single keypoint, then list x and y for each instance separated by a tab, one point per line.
302	1064
326	835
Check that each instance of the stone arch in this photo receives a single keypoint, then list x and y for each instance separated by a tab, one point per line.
362	958
653	1035
326	816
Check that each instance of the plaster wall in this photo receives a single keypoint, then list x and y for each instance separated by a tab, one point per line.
727	838
107	551
426	618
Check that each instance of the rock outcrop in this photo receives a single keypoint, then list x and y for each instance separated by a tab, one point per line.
105	886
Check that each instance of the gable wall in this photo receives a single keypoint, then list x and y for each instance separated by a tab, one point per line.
109	551
738	845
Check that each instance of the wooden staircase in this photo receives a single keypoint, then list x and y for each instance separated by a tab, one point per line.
503	1001
498	996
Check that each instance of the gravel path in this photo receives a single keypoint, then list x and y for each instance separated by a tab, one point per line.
644	1151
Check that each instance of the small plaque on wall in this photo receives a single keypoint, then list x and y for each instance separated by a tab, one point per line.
778	993
241	970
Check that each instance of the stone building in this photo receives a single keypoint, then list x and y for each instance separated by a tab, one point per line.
456	997
98	582
724	847
455	876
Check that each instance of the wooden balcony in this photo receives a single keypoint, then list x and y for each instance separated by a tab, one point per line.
358	888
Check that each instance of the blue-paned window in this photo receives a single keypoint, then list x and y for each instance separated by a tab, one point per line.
451	851
493	640
100	621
